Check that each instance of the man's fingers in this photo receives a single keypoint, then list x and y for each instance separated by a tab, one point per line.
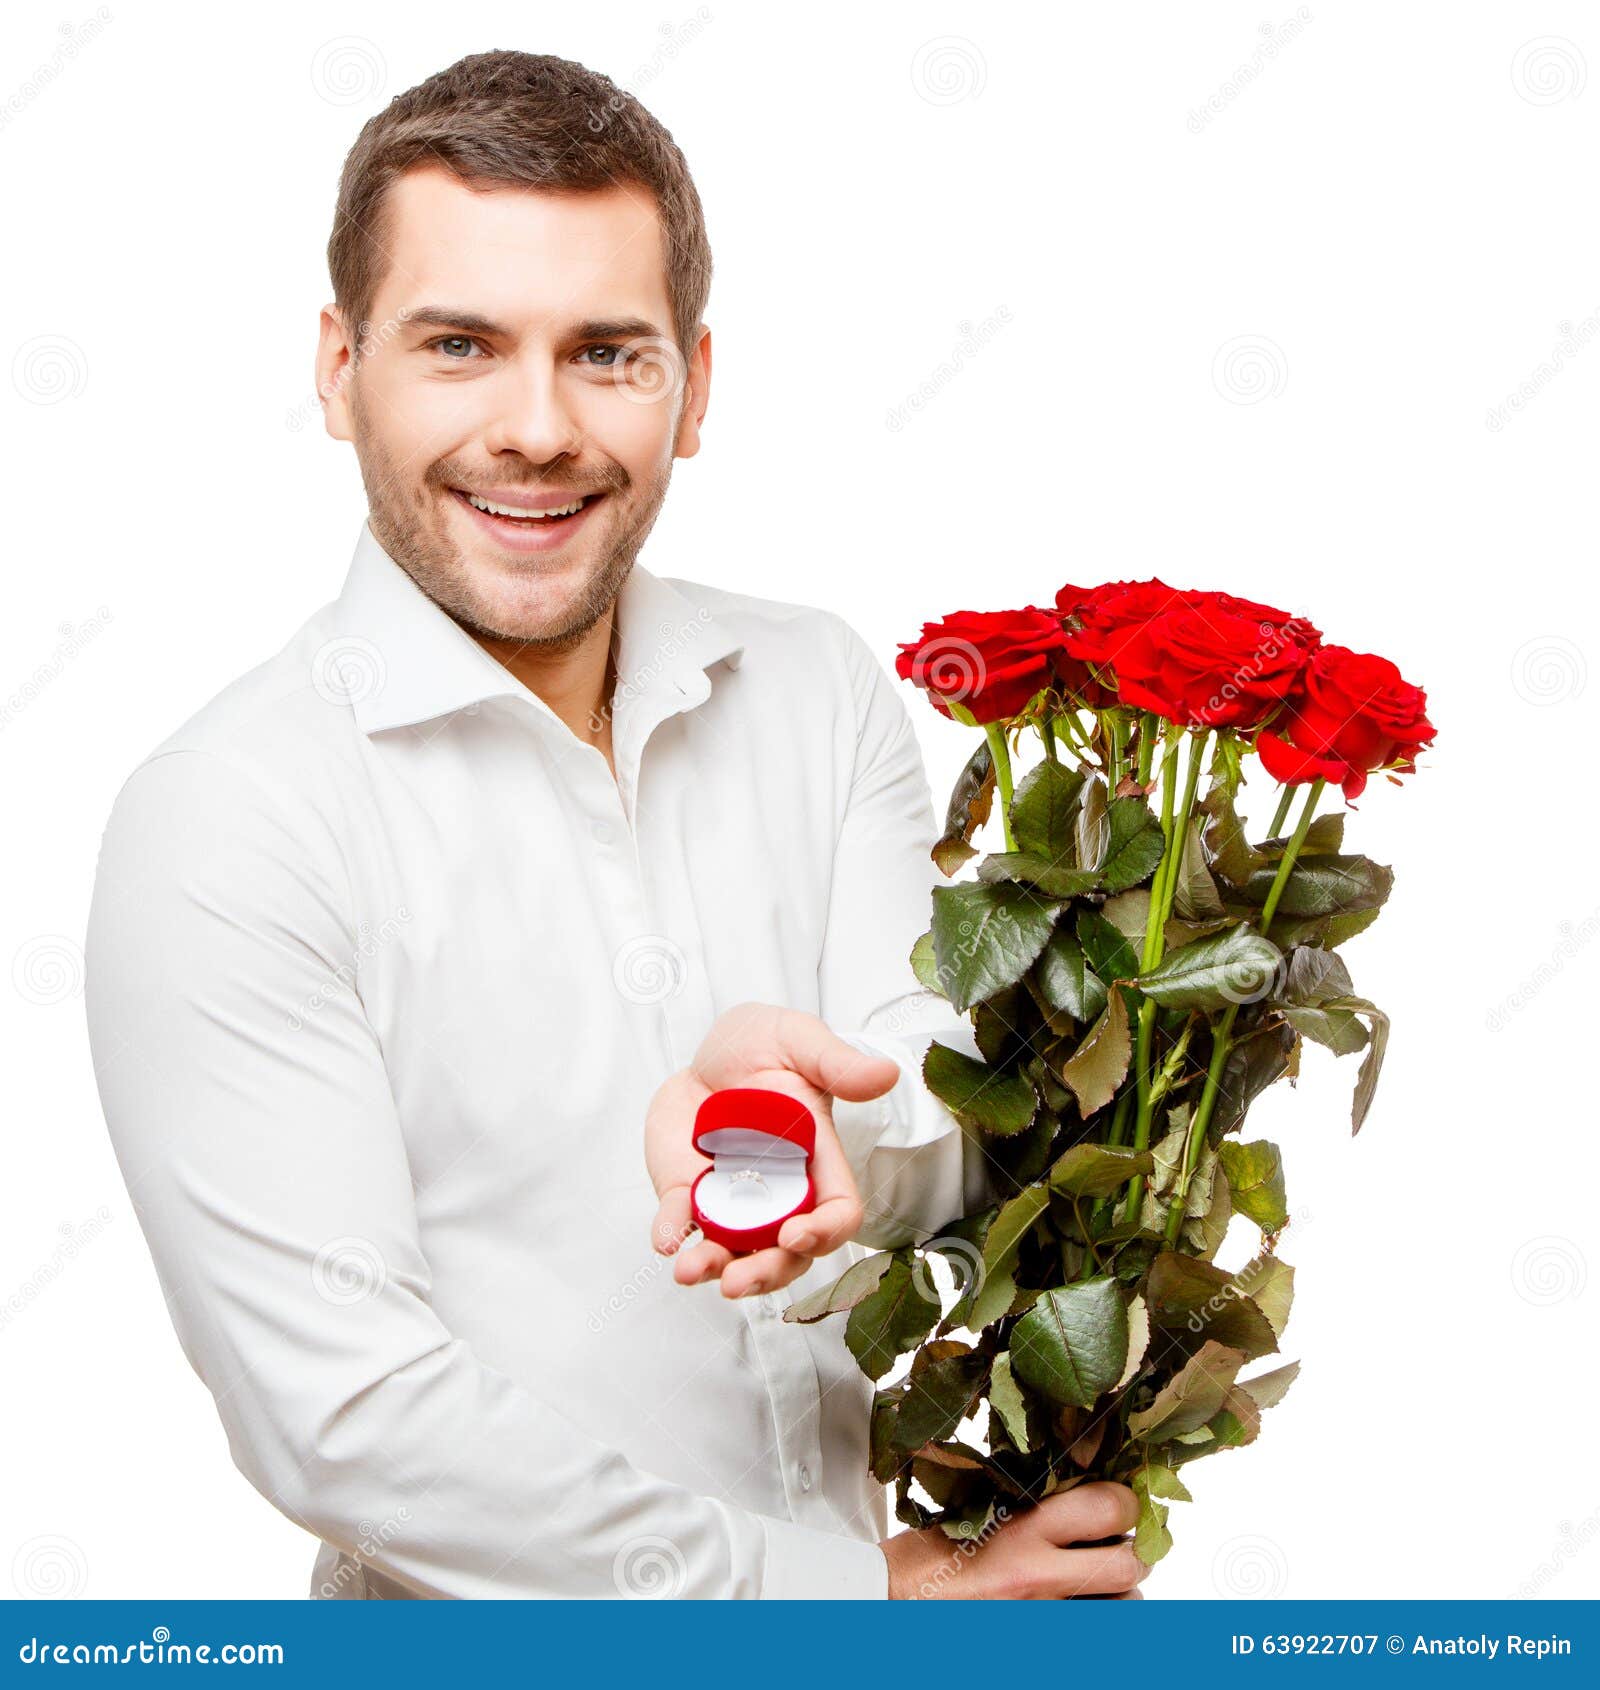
765	1270
1086	1512
814	1051
1097	1572
673	1222
824	1227
701	1262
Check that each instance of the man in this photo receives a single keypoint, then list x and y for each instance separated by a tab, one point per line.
400	941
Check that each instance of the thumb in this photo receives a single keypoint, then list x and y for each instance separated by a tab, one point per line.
833	1064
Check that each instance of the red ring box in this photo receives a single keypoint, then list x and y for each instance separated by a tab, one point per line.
747	1129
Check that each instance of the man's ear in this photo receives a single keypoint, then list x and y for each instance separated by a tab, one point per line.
335	368
697	396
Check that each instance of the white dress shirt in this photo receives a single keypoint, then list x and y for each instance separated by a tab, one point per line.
384	967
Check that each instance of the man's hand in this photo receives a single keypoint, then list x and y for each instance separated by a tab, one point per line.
784	1050
1048	1552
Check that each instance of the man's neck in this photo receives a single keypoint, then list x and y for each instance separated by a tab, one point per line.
576	681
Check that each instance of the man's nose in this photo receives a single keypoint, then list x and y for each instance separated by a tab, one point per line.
533	414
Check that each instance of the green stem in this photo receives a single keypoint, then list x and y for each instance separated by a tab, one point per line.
1223	1041
1147	744
1285	799
1047	734
995	733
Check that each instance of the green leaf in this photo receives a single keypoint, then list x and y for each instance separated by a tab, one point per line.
1270	1285
1196	897
1255	1181
940	1396
1129	913
1098	1170
976	1094
1191	1398
1065	981
1191	1301
1044	811
1267	1390
1014	1222
1094	827
1372	1062
1071	1345
858	1281
1134	844
924	965
1330	885
1232	855
1160	1480
1100	1064
1234	966
1108	952
1055	878
1006	1400
1340	1030
967	812
1151	1539
893	1318
985	938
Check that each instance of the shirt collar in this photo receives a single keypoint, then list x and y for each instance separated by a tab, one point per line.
408	661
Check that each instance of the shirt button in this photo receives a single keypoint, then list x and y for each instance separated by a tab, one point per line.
769	1306
805	1477
603	831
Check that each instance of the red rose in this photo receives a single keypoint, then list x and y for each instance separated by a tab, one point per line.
992	662
1201	659
1352	713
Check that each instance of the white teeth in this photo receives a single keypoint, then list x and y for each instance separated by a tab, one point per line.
527	516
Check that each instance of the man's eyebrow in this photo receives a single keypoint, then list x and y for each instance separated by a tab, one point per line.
473	322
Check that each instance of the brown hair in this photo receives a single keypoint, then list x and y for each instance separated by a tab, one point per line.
524	120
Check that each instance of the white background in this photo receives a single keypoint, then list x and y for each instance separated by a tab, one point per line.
1254	292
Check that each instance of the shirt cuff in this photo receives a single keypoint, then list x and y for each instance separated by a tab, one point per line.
811	1566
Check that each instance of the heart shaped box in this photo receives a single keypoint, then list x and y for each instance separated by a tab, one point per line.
748	1130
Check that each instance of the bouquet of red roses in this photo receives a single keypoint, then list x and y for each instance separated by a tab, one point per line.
1137	970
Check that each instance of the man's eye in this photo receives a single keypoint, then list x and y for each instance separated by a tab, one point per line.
611	357
454	346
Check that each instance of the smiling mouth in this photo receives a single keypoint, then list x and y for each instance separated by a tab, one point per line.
524	518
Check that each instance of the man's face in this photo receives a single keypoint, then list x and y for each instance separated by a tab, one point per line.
519	352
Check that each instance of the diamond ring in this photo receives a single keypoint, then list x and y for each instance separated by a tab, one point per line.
746	1176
